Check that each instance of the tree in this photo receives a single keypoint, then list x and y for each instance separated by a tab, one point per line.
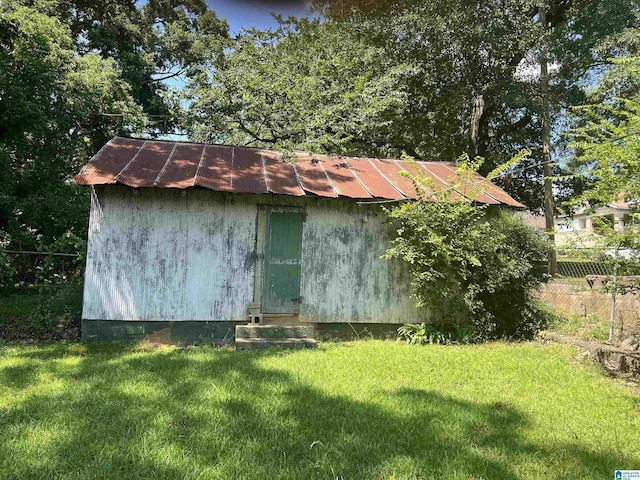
607	138
408	78
72	75
51	102
606	133
280	89
606	141
548	204
479	263
151	42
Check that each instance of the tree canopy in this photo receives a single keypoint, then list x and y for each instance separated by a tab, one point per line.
606	138
433	79
73	75
410	77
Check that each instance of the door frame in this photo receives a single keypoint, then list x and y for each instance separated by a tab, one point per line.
266	252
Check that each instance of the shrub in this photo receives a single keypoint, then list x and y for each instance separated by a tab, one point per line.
49	312
484	268
422	333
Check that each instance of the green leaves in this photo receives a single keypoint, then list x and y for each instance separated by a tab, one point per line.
608	149
281	89
466	260
57	107
73	75
606	142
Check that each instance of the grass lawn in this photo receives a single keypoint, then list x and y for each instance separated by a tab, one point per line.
590	328
362	410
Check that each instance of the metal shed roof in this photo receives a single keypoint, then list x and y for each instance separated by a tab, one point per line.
167	164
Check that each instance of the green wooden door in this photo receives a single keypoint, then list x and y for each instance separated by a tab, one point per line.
281	292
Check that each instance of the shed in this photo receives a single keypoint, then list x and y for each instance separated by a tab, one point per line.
193	239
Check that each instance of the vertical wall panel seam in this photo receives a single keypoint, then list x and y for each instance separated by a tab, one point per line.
166	164
195	176
117	177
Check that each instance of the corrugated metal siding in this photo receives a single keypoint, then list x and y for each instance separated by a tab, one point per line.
158	255
343	277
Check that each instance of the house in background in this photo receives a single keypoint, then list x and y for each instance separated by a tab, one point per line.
194	240
536	221
578	229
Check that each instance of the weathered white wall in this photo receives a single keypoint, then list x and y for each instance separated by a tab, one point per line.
158	255
343	277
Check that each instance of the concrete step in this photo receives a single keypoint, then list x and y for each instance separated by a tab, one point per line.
258	343
274	331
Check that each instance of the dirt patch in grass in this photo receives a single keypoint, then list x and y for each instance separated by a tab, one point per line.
45	314
161	338
622	361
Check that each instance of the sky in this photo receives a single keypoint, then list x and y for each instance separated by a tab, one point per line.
256	13
249	13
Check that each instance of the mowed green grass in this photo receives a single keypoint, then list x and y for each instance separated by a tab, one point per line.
362	410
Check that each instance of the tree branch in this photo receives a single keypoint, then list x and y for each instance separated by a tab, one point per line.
176	74
523	122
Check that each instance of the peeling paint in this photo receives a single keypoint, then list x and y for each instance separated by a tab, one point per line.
159	255
343	277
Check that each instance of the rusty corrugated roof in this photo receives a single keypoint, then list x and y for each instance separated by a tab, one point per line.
166	164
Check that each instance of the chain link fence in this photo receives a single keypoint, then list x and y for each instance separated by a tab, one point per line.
24	268
596	284
575	297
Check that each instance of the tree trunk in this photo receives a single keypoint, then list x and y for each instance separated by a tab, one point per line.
476	118
546	143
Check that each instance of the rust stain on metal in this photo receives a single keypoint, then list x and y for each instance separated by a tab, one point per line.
143	171
391	170
416	172
313	178
343	179
214	172
280	176
248	176
377	184
181	171
166	164
470	188
441	179
109	162
495	191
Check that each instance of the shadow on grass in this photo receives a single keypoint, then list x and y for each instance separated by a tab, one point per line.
221	414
